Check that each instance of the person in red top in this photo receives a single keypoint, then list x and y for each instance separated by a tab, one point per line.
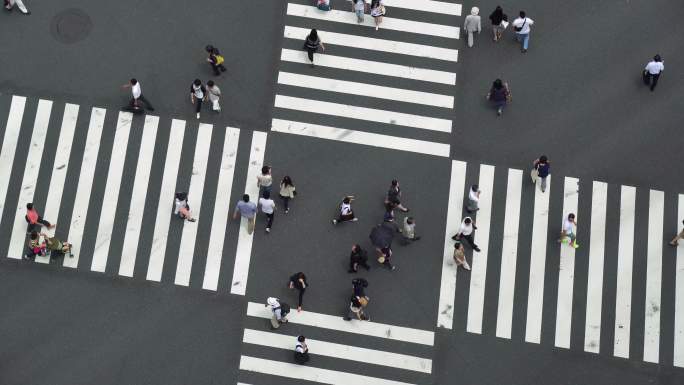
33	218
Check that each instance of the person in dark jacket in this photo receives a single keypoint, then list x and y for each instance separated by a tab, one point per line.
499	22
393	197
215	59
298	281
542	167
311	45
358	257
499	94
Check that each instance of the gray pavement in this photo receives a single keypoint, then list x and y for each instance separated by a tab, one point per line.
577	96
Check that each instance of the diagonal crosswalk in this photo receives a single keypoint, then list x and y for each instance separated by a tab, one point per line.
84	183
370	81
541	284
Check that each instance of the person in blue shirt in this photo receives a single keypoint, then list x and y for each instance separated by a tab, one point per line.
542	169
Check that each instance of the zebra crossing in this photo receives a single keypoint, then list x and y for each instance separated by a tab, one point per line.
621	313
369	84
333	343
108	225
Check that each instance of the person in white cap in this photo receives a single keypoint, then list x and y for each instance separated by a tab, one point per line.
472	24
280	311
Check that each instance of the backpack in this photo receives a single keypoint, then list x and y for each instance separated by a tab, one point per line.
284	309
219	59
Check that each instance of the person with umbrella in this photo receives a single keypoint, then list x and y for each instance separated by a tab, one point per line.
381	236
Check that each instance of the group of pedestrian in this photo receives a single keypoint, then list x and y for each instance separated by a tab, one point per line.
247	209
521	25
41	243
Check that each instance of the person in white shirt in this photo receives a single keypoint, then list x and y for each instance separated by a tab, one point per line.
472	24
214	93
268	208
346	212
653	70
466	232
522	25
301	351
568	231
198	93
182	209
9	4
138	100
473	199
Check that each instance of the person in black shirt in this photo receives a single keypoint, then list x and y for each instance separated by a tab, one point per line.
311	45
393	197
298	281
358	257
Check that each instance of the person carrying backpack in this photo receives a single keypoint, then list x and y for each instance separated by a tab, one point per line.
215	59
280	311
301	354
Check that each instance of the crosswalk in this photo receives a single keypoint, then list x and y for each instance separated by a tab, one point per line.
108	179
597	298
334	342
367	83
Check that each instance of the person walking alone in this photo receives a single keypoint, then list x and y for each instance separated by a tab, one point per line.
280	311
346	212
472	24
473	199
499	22
138	100
301	355
287	192
568	232
214	94
459	256
541	170
466	232
675	240
311	45
298	281
393	196
182	208
377	10
409	231
500	95
215	59
247	210
265	180
34	219
522	25
652	71
267	207
358	257
197	94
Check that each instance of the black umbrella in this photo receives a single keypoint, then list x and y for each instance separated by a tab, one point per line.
381	236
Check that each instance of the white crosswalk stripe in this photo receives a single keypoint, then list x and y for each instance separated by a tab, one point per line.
623	301
592	331
394	63
370	358
9	145
679	292
566	269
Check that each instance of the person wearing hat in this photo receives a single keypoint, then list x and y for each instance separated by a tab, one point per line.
459	256
472	24
652	71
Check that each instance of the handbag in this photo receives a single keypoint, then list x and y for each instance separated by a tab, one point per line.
534	174
363	301
381	259
518	29
383	11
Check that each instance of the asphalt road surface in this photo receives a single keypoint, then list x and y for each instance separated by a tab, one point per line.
151	299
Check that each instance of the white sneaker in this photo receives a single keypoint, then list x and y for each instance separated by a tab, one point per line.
466	266
198	115
355	219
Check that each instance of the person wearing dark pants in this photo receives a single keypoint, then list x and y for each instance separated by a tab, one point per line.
215	59
385	258
301	351
33	218
138	100
652	71
197	94
311	45
298	281
467	232
358	257
287	192
268	208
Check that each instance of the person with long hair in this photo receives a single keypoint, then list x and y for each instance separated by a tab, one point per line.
287	192
499	22
377	10
311	44
499	94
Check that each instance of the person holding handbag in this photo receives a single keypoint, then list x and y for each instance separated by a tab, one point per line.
541	170
500	95
499	22
377	10
521	25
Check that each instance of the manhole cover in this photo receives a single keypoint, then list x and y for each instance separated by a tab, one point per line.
70	26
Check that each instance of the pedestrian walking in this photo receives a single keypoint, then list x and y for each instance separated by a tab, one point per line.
473	199
359	7
298	282
675	240
323	5
215	59
301	354
346	212
279	310
198	93
522	25
138	100
287	192
358	257
472	24
9	5
359	286
385	258
182	208
652	71
247	210
567	234
377	10
393	196
55	247
389	213
311	45
466	232
459	256
409	231
499	95
267	207
499	22
265	180
541	170
34	219
36	246
359	301
214	94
